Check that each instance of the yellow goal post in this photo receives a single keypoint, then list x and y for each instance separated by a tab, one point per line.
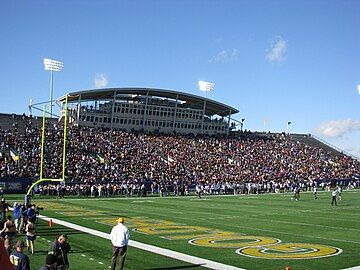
41	179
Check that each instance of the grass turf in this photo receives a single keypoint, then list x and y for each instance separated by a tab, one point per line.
271	215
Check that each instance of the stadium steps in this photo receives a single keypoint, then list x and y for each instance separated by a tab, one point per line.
312	141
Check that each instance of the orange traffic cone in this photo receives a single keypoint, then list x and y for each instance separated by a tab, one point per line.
50	223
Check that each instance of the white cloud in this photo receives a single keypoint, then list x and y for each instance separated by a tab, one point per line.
100	80
277	50
225	56
338	128
359	88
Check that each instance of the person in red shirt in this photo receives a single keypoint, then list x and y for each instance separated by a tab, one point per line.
4	258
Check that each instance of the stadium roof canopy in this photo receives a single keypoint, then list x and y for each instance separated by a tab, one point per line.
188	100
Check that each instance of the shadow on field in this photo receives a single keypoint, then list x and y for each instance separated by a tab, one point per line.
57	231
177	267
82	251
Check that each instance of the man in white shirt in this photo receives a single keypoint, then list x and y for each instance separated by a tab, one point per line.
333	195
119	238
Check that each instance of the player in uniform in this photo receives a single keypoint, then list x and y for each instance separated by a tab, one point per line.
199	190
315	192
339	190
296	194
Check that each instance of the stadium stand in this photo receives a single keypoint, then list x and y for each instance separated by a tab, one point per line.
120	162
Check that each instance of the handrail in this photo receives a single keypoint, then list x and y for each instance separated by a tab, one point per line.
335	147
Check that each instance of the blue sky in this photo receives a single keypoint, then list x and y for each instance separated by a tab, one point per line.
276	61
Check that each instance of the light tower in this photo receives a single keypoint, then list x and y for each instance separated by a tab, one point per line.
52	65
206	87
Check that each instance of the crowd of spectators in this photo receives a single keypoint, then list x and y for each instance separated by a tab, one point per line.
107	162
12	249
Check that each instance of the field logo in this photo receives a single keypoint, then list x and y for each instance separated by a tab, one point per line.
289	251
233	241
247	245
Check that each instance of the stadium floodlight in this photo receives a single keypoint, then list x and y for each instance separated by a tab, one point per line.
206	87
52	65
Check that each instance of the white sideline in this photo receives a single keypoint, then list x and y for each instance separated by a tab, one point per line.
162	251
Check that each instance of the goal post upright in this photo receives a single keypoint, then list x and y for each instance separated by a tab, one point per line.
65	136
41	179
42	143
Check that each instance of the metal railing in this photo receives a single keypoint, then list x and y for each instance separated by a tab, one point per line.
334	147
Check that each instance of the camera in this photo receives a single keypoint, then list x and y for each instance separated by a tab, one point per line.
38	209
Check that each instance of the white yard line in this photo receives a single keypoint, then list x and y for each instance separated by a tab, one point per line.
353	268
150	197
161	251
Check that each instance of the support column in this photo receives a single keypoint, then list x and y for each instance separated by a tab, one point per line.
228	129
203	117
112	111
78	110
175	111
145	109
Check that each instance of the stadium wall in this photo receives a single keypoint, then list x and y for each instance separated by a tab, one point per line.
10	185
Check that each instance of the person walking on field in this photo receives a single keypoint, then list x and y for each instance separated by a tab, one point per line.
60	248
119	238
334	194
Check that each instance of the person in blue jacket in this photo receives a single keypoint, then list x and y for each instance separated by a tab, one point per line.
17	215
31	213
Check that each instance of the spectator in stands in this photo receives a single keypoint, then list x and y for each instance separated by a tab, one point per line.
97	158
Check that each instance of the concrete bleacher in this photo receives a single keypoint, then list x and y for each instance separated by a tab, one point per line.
19	122
313	141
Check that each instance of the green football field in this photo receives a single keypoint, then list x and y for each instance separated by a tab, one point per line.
249	232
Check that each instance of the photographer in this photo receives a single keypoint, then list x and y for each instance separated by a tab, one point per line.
31	213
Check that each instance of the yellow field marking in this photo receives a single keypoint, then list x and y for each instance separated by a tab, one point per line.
227	241
290	251
247	245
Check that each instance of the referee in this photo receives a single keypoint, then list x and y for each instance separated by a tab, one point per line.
119	238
